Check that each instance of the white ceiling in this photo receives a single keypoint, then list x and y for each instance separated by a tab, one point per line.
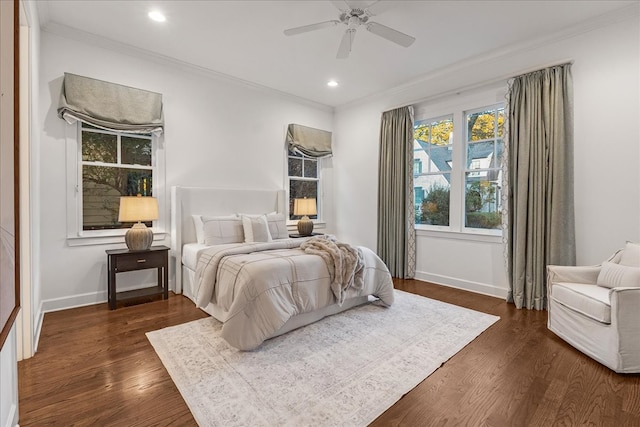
245	39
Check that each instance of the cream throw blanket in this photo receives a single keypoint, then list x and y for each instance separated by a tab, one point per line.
345	263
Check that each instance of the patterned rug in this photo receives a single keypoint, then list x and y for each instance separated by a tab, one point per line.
346	369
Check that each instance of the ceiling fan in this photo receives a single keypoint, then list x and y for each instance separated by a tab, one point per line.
353	17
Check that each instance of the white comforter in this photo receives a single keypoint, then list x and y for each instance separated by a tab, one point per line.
262	285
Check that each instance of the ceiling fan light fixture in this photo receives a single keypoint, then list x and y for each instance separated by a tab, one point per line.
352	18
332	83
157	16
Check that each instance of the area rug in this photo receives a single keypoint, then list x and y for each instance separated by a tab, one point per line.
346	369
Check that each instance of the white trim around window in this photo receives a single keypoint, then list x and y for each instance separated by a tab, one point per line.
76	236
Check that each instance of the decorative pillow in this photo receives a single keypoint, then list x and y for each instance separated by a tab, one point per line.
277	226
631	255
255	228
197	223
614	275
220	230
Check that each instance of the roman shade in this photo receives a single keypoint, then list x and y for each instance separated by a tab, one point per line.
110	106
309	141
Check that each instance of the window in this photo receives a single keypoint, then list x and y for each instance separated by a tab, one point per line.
112	164
103	165
432	149
304	180
483	174
457	170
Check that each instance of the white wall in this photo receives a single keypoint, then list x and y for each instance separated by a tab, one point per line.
218	133
607	155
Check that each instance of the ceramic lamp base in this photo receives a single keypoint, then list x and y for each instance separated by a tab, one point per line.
139	237
305	226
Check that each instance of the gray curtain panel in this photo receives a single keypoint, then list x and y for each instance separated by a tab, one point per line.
110	106
396	214
540	228
311	142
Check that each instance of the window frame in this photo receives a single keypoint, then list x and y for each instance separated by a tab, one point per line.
451	144
76	236
319	220
458	108
465	169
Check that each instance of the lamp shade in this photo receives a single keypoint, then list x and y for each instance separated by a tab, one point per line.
138	208
304	207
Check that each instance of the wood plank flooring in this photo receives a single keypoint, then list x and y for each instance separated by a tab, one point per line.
95	367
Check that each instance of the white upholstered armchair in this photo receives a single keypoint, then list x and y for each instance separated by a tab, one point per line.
596	309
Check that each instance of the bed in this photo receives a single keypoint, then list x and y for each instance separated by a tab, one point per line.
263	289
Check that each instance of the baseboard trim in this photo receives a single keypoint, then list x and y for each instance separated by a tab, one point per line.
38	328
91	298
12	419
466	285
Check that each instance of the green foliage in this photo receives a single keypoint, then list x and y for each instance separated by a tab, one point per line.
479	193
435	206
484	219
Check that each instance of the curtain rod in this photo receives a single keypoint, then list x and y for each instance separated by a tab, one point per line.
472	86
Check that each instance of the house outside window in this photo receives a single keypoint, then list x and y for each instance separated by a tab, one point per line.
304	180
458	186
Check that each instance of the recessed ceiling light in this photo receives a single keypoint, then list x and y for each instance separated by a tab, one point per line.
157	16
332	83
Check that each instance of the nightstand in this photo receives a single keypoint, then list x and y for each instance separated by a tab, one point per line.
121	260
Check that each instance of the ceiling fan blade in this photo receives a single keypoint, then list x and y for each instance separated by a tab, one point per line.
377	7
341	5
311	27
390	34
346	44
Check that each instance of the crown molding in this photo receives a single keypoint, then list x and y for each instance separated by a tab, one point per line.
129	50
613	17
44	15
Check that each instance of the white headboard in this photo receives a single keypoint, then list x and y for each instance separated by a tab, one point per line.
188	201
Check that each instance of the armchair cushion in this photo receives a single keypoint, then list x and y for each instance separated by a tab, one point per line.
618	276
590	300
631	255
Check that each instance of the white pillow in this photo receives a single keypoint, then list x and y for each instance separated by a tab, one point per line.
255	228
614	275
277	226
197	223
220	230
631	255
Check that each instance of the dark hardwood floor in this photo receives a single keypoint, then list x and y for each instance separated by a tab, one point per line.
95	367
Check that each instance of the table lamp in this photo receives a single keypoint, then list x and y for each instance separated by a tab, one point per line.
138	208
305	207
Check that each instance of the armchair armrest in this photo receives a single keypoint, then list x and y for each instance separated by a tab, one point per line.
572	274
625	320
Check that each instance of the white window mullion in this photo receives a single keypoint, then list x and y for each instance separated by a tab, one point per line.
119	149
457	172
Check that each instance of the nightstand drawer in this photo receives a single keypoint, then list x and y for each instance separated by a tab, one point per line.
140	261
